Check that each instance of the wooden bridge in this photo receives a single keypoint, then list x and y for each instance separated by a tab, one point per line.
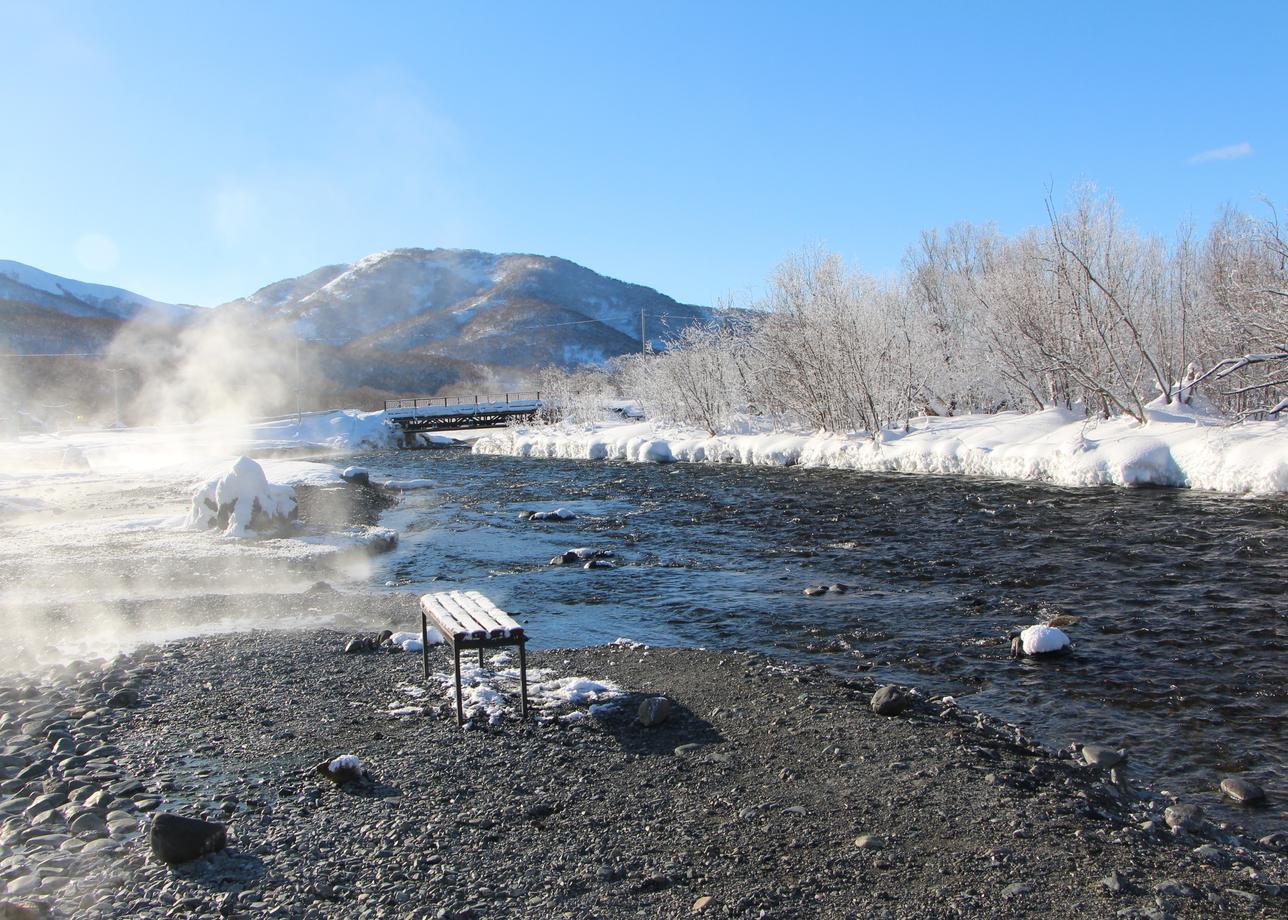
415	414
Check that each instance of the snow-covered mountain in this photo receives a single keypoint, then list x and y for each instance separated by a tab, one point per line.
517	310
43	312
23	283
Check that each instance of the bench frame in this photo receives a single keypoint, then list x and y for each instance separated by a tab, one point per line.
459	642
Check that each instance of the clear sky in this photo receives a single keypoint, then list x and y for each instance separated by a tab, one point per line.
195	152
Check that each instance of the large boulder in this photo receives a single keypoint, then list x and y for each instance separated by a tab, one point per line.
891	701
176	839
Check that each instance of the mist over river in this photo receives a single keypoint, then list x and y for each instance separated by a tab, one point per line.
1179	644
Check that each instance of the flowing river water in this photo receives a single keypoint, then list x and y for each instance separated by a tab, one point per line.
1181	598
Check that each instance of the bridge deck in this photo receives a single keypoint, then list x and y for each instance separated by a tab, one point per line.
446	413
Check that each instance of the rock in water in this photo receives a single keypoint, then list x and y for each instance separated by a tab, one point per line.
1181	817
176	839
24	910
1102	756
815	591
357	475
890	701
1042	640
1242	791
654	711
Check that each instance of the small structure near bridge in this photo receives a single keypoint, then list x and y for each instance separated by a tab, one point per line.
419	414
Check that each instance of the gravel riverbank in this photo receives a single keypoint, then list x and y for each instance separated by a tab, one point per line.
769	791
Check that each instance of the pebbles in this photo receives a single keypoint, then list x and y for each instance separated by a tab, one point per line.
781	792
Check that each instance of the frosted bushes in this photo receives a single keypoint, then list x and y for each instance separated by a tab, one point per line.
241	502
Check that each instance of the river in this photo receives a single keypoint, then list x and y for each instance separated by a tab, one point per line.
1180	600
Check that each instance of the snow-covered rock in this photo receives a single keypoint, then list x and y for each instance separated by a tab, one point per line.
1043	640
240	502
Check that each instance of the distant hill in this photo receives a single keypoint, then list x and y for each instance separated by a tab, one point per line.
521	311
40	312
394	323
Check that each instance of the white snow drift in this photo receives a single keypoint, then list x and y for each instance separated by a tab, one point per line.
1176	448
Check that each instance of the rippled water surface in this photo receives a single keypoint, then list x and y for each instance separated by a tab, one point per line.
1180	597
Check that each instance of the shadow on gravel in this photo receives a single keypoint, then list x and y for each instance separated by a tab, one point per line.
369	789
682	727
227	867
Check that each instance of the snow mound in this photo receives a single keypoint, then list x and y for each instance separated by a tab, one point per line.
240	502
1042	640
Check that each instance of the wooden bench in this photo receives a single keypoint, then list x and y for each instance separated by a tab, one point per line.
467	619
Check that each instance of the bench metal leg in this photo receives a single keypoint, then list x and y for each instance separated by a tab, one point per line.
424	644
480	656
523	681
460	707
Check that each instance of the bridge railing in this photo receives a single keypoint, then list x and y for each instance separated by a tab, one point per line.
463	402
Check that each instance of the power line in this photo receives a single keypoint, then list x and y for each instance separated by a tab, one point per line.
55	355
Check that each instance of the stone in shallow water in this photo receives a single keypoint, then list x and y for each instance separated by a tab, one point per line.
1242	791
1181	817
1103	756
176	839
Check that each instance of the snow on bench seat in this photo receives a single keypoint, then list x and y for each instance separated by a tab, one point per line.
469	615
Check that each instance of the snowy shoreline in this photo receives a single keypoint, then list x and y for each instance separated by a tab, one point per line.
1176	449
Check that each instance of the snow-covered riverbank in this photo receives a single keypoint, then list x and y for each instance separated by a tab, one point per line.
1185	450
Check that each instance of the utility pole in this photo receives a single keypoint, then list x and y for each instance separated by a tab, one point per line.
643	337
116	393
299	397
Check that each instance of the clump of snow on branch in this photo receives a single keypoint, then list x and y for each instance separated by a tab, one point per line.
241	501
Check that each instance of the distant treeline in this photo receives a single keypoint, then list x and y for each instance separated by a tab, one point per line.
1082	312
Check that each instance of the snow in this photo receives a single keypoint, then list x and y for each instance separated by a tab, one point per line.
345	762
243	487
407	485
112	300
1178	447
488	691
408	642
1042	640
559	514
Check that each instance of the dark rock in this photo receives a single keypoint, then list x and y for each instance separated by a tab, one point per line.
815	590
1181	817
838	588
176	839
599	564
1243	791
1114	883
123	699
342	770
1102	756
654	711
890	701
24	910
321	587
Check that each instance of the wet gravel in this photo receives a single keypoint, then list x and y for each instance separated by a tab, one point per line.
772	790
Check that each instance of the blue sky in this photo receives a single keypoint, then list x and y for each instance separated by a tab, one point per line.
197	153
